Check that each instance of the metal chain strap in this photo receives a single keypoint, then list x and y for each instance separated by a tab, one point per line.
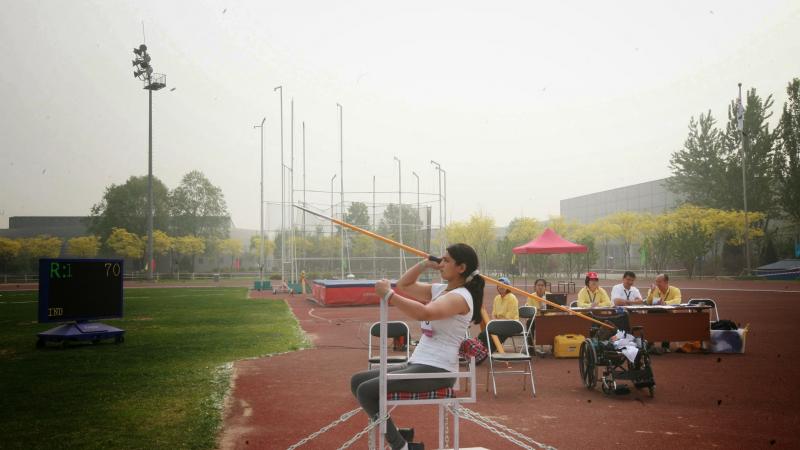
361	433
446	430
511	431
500	429
342	419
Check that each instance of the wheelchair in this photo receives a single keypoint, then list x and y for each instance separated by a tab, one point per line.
597	351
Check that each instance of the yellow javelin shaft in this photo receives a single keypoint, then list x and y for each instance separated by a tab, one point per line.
485	278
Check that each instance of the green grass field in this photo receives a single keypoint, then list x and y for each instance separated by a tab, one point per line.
162	388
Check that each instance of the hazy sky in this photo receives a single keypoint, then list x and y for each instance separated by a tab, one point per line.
523	103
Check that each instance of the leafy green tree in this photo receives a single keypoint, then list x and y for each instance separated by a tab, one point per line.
358	214
478	232
162	243
230	247
269	246
198	208
126	244
125	206
34	248
699	170
788	155
9	250
389	226
189	247
627	226
759	149
83	246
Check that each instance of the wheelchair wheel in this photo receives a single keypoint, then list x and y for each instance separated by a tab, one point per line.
587	362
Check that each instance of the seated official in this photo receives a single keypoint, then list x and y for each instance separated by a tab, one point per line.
626	293
592	295
504	306
661	293
540	289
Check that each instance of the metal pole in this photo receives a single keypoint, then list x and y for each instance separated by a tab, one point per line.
150	183
293	265
304	188
444	212
416	231
332	213
441	225
283	188
400	211
341	180
374	247
740	112
261	209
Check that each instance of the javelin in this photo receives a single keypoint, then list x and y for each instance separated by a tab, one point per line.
425	255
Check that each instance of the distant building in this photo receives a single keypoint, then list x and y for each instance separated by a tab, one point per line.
59	226
649	197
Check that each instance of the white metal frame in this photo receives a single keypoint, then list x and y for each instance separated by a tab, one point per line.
384	402
524	356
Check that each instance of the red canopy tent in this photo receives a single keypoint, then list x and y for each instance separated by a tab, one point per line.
548	243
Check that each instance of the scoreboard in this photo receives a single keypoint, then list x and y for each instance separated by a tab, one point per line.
80	289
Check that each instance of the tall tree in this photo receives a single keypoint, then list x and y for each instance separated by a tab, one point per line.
358	214
788	155
198	208
125	206
390	224
759	151
699	169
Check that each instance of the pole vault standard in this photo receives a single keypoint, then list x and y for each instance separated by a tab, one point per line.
487	279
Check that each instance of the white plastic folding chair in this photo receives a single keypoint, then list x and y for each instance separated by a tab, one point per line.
508	328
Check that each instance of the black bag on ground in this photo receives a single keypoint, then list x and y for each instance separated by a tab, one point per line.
724	324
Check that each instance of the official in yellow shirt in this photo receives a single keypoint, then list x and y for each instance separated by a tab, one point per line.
505	306
540	289
661	293
593	296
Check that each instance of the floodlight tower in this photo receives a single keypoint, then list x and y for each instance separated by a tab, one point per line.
152	82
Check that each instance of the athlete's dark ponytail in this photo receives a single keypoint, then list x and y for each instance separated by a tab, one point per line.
464	254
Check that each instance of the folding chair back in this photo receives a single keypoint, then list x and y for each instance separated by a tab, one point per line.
528	312
708	302
394	330
505	327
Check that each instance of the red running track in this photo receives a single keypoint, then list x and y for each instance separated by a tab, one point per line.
702	401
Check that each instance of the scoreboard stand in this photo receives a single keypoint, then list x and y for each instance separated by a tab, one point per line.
75	293
80	331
